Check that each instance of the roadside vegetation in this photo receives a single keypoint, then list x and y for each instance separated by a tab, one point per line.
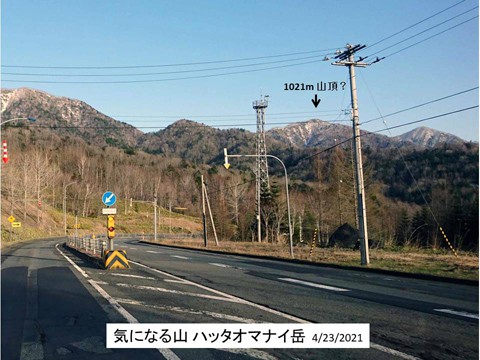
408	260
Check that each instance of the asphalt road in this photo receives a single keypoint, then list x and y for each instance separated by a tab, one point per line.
52	309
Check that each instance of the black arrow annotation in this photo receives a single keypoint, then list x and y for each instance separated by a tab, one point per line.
316	101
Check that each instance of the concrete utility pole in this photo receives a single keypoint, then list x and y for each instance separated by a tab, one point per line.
155	217
211	215
347	58
204	216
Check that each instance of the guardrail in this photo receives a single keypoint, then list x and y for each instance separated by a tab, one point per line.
96	245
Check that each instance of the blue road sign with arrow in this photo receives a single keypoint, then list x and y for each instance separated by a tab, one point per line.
109	198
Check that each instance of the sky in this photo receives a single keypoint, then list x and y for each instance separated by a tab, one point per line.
110	43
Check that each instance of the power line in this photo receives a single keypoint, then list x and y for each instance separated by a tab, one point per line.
226	115
430	37
424	31
426	119
420	105
203	126
167	65
417	23
158	80
167	72
409	171
193	118
364	134
387	129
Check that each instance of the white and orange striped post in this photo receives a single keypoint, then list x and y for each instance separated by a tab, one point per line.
5	152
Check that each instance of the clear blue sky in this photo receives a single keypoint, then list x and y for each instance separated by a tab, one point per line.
92	33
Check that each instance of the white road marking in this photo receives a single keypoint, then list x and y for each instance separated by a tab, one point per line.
142	287
191	311
71	262
167	353
326	287
459	313
154	252
174	281
180	257
132	248
101	282
232	297
133	276
276	312
220	265
393	352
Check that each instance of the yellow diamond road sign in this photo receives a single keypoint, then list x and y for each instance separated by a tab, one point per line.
11	219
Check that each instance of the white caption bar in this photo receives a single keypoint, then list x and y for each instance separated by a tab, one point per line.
224	336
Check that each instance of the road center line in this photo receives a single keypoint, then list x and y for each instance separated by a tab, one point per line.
326	287
153	252
220	265
459	313
180	257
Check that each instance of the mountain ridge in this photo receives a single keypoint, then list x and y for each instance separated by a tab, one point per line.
193	140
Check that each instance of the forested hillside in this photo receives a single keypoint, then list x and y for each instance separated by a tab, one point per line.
42	164
411	190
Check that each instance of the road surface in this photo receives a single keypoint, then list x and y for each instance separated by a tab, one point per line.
55	305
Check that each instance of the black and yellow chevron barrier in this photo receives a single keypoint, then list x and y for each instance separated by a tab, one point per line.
115	259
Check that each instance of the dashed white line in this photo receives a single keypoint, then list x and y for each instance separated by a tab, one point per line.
459	313
393	352
321	286
191	311
220	265
170	355
180	257
276	312
142	287
133	276
101	282
154	252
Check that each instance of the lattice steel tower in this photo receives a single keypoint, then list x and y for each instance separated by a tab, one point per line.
261	173
262	165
